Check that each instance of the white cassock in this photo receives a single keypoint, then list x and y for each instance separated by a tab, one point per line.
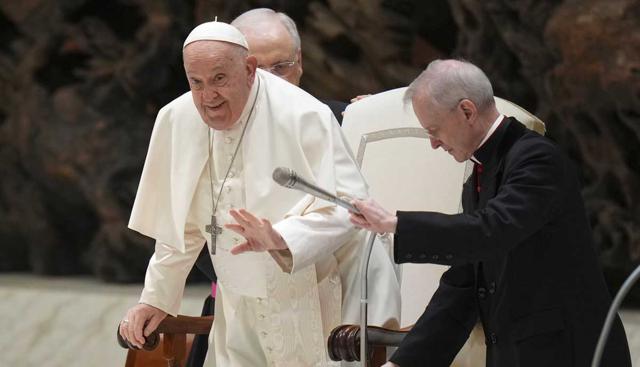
265	313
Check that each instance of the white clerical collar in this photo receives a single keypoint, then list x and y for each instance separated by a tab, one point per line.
490	132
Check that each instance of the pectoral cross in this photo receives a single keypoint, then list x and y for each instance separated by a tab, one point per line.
214	230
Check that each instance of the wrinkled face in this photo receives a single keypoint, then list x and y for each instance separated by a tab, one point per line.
448	129
220	78
276	53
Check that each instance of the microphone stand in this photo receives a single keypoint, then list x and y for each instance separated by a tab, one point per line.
364	267
613	309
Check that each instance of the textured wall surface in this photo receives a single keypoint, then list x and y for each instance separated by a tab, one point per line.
81	82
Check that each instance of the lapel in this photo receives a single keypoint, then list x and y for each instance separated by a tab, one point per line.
492	155
469	195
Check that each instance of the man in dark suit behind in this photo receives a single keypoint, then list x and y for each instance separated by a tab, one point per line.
522	255
274	40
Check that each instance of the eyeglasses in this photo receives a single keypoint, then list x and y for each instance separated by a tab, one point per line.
281	68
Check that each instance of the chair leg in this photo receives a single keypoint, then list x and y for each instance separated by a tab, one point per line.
379	356
131	358
174	350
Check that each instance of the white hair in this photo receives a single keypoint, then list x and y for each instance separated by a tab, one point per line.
248	19
447	82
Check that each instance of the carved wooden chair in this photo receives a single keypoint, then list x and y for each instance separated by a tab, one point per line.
175	334
396	158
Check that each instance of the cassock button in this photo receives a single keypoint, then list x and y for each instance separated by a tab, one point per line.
435	257
408	256
448	257
492	288
228	188
261	316
228	140
231	174
482	292
423	256
493	338
264	334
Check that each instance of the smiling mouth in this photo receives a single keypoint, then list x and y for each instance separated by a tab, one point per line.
214	107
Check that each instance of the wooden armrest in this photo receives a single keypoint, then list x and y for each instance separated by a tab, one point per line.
172	325
344	340
186	325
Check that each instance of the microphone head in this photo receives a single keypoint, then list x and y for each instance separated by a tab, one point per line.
284	176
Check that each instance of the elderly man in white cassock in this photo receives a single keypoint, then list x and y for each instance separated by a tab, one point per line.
207	176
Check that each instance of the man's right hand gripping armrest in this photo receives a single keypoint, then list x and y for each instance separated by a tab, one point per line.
140	321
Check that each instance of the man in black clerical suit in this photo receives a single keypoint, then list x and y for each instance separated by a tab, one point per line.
522	255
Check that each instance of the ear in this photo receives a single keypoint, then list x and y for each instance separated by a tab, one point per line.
251	65
299	56
469	109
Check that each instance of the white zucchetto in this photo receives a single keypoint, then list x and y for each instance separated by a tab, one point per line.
216	31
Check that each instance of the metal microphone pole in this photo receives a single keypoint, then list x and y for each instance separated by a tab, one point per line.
364	267
611	315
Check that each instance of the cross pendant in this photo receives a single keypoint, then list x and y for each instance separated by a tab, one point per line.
214	230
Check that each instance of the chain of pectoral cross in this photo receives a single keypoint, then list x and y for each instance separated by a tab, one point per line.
213	228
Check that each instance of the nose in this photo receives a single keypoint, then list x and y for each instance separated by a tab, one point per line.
209	93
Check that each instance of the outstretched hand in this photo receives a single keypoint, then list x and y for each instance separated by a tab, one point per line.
258	232
373	217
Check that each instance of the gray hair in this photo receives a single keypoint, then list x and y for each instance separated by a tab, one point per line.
449	81
248	18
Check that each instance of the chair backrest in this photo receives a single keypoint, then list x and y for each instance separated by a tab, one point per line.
404	172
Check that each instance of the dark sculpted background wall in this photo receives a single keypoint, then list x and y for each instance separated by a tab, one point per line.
81	82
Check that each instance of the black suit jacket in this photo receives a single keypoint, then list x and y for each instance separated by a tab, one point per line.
337	107
523	262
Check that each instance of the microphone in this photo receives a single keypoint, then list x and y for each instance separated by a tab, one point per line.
289	178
